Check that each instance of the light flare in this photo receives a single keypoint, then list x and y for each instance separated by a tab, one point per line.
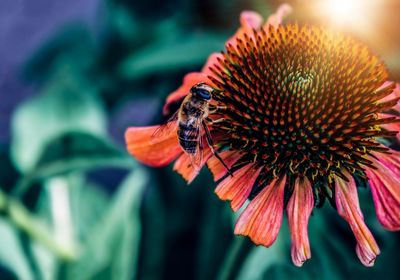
354	14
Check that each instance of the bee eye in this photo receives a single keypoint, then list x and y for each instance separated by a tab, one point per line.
202	93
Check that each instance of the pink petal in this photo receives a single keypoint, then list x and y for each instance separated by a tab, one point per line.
276	19
152	151
215	166
250	20
348	207
238	188
184	165
298	210
262	218
385	188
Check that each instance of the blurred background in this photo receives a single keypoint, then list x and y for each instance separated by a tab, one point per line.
74	205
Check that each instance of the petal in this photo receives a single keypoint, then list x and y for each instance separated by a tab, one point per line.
276	19
152	151
385	188
250	20
299	210
238	188
348	207
215	166
262	218
184	165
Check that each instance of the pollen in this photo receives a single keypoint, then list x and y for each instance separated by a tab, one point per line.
301	102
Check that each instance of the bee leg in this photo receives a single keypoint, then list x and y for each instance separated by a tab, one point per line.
211	121
210	143
214	109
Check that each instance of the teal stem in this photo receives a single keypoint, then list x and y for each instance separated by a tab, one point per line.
233	258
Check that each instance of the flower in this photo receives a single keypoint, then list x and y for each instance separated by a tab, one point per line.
301	112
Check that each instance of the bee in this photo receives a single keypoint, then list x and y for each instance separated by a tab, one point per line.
191	119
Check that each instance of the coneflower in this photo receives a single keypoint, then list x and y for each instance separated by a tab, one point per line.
299	114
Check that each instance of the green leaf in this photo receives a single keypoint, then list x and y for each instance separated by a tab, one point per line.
110	250
189	50
74	151
11	253
68	103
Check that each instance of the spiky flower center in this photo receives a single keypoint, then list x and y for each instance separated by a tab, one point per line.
300	101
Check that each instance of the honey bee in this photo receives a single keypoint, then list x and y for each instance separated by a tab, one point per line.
191	121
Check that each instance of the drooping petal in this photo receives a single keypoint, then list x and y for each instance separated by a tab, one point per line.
238	188
385	188
262	218
216	167
299	210
348	207
153	151
184	165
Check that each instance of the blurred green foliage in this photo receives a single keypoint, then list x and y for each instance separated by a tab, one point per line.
75	205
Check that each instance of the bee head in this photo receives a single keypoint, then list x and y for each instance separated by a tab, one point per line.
202	91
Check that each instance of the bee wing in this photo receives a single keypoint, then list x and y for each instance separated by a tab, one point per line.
197	158
165	128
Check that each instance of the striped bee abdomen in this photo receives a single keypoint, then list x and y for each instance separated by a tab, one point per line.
188	137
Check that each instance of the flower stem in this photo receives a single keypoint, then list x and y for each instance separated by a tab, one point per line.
234	256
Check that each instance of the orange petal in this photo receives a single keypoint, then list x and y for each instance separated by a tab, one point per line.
348	207
216	167
262	218
299	210
152	151
385	188
238	188
184	165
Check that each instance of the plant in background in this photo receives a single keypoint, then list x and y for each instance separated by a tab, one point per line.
301	115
